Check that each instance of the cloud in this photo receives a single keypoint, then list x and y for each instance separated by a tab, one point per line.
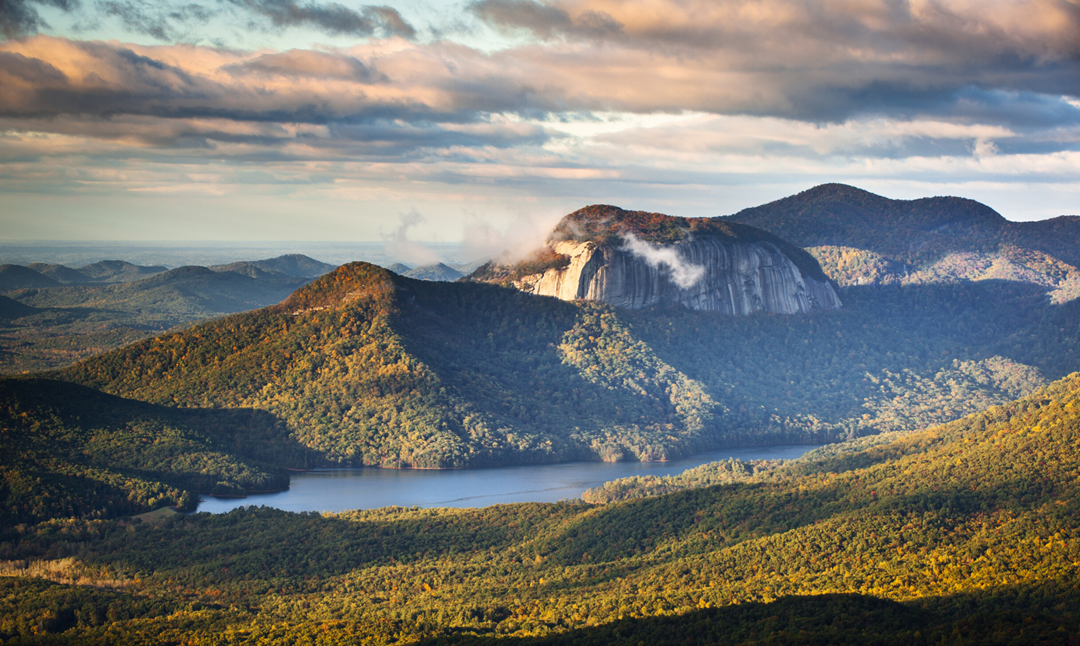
683	273
308	64
544	20
523	234
819	60
30	70
399	247
444	82
18	17
155	19
718	94
333	18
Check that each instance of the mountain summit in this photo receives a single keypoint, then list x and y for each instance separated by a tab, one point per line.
865	239
635	259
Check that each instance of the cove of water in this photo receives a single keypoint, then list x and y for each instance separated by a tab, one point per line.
336	490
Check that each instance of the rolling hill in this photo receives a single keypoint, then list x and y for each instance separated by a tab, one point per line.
66	323
118	271
13	277
294	265
60	273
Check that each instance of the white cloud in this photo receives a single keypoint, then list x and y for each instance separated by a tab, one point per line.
400	247
684	274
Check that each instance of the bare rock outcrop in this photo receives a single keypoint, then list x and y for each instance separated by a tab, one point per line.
637	260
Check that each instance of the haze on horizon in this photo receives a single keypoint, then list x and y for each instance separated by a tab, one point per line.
488	120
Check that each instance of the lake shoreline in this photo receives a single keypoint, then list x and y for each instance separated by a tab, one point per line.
342	488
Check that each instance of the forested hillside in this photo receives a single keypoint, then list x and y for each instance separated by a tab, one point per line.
369	367
364	365
964	533
70	451
865	239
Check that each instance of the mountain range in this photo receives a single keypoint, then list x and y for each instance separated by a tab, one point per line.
365	366
943	510
438	272
61	323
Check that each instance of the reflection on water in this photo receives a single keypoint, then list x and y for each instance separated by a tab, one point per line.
371	487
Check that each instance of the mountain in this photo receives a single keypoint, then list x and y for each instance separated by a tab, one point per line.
12	309
862	238
173	296
247	269
14	277
366	366
967	533
635	260
437	272
293	265
118	271
66	323
60	273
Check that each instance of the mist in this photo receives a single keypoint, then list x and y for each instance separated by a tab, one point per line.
683	274
526	234
399	247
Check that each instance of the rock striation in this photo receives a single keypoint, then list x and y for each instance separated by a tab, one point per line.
636	260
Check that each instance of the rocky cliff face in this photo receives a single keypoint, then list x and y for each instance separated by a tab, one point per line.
738	278
636	260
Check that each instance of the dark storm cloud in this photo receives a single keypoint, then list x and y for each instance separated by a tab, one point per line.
1022	111
19	17
371	20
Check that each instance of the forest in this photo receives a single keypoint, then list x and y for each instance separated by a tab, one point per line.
367	367
70	451
962	533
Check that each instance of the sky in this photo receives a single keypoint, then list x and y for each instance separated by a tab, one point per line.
485	121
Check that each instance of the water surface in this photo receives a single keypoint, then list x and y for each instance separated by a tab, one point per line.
371	487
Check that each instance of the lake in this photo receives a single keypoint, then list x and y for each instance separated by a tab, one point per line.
371	487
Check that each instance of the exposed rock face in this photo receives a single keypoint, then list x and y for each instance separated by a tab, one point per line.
731	277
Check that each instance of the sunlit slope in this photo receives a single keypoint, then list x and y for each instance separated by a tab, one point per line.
972	526
367	366
984	506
